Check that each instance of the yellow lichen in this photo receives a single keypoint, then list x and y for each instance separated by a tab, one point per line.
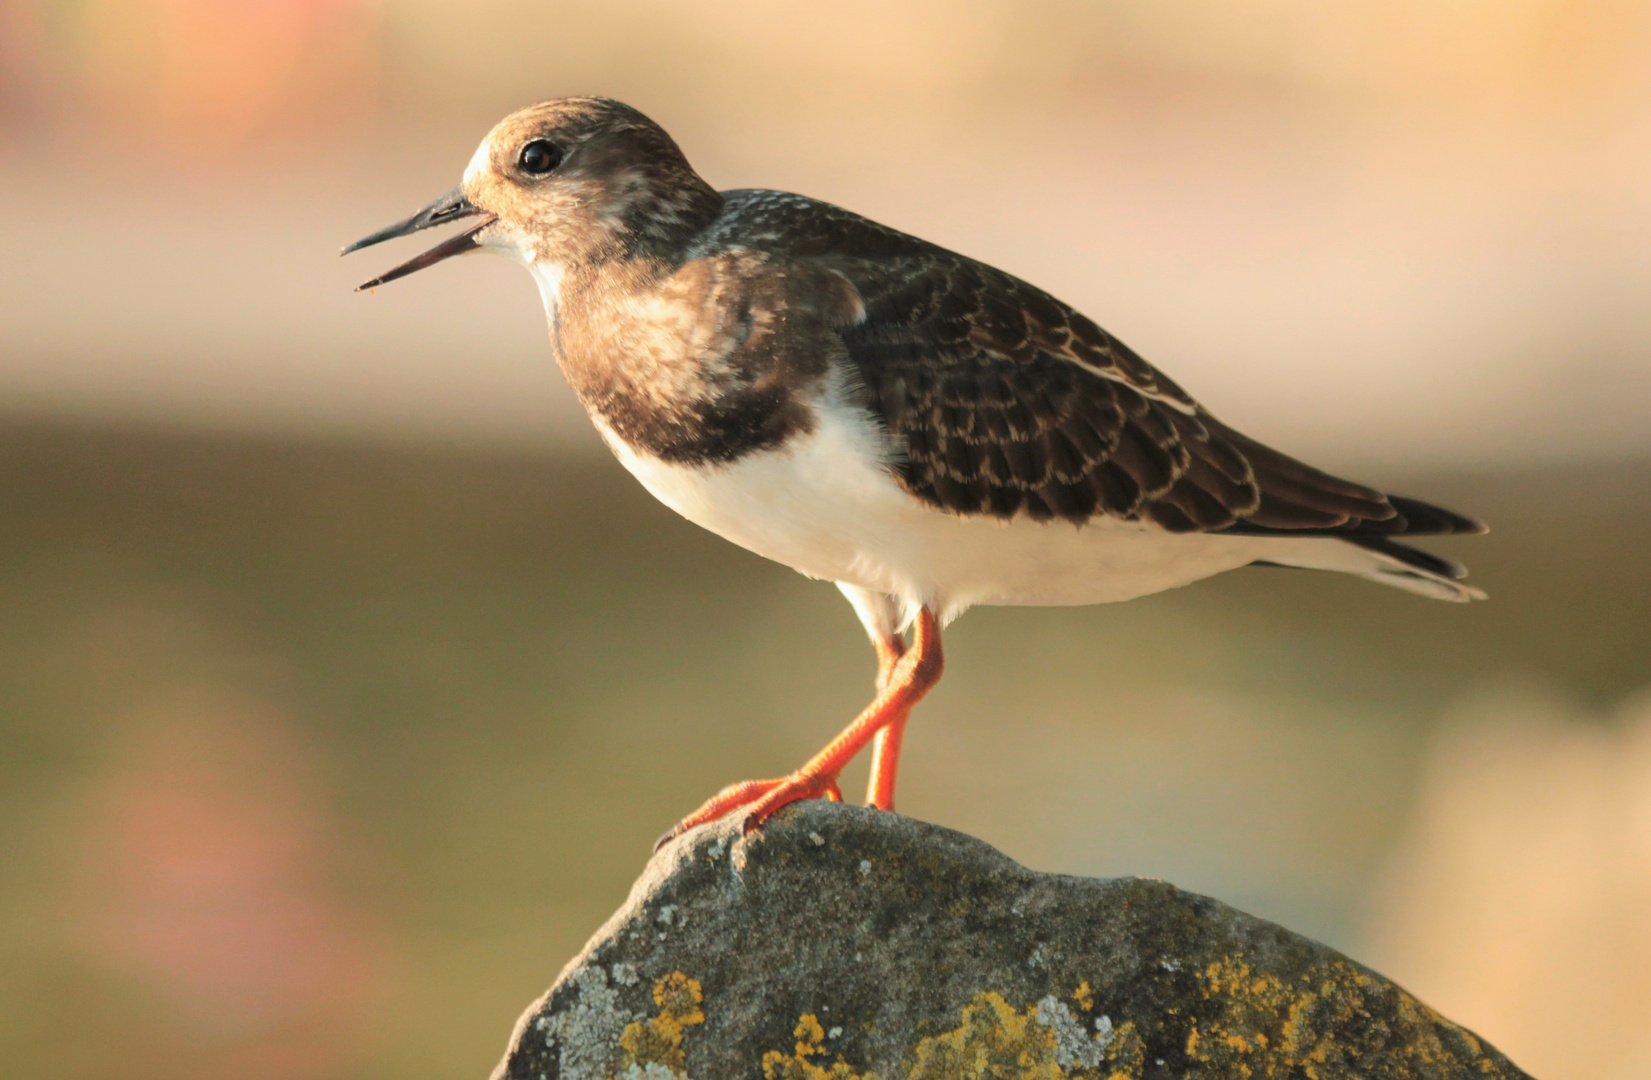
659	1041
1126	1054
810	1043
994	1041
1266	1029
1084	995
809	1035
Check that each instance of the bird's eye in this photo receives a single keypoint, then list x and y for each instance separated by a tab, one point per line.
539	157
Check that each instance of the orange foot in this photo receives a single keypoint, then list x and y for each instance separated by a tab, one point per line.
901	684
763	796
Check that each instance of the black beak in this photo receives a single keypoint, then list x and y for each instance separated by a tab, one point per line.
450	207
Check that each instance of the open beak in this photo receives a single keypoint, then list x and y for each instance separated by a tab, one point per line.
450	207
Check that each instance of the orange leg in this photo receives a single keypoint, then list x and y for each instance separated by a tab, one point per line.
910	675
885	750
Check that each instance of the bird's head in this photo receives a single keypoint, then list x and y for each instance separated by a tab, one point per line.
566	182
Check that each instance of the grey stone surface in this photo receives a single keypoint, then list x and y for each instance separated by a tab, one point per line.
845	943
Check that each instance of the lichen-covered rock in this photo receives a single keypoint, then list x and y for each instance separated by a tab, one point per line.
841	943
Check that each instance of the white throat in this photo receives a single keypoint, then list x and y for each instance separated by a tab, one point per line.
548	275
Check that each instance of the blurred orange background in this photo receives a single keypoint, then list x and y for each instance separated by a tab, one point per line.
345	681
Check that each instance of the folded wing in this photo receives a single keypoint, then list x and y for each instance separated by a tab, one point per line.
1007	402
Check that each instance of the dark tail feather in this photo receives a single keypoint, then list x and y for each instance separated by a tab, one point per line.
1413	518
1425	519
1421	560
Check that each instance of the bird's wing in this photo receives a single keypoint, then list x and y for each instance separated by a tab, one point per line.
1005	401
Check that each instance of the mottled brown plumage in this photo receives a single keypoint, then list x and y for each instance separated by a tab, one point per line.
696	325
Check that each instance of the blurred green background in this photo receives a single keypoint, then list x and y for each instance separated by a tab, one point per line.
345	681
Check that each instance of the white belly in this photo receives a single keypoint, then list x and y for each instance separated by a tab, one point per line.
825	505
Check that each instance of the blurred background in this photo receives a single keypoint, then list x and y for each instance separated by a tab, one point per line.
345	681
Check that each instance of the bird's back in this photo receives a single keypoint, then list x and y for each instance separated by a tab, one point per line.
1004	401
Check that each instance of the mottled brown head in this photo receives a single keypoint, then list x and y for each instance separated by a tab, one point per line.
566	182
580	173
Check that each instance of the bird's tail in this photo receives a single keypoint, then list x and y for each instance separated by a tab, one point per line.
1380	559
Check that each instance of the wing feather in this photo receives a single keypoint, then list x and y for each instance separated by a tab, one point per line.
1008	402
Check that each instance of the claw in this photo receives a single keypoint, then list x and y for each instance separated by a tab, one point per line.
795	788
728	799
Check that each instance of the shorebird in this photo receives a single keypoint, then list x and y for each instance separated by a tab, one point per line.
924	430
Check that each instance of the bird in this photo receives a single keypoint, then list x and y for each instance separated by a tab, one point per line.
924	430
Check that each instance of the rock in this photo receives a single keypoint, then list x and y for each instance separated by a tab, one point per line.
841	943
